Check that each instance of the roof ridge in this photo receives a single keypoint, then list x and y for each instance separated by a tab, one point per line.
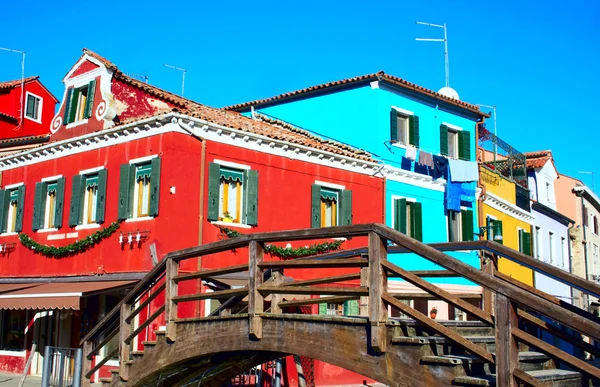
16	82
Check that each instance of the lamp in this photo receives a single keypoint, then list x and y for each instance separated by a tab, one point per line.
491	225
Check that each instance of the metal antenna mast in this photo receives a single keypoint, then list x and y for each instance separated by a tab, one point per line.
22	78
589	173
445	40
182	78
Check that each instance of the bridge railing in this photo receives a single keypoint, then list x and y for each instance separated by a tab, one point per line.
275	286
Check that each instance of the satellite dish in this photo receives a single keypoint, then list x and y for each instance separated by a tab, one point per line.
449	92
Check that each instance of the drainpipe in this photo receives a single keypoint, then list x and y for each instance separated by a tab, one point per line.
480	214
569	252
585	253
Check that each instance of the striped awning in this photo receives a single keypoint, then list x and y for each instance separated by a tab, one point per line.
230	174
143	171
329	194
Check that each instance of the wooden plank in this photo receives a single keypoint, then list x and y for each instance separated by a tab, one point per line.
363	303
143	325
521	296
212	295
276	298
528	379
315	263
434	273
313	301
211	248
210	273
427	296
101	363
100	345
255	298
440	329
488	266
558	332
172	268
557	354
354	230
86	363
377	287
317	281
125	348
440	293
142	306
507	348
314	290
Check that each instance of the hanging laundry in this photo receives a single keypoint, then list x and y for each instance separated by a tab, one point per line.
457	192
461	170
440	166
411	153
426	159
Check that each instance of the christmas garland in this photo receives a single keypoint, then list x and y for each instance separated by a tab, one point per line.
289	252
74	248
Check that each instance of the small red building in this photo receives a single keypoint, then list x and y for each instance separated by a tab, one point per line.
132	172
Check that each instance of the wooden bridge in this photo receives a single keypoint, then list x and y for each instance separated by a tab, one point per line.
495	349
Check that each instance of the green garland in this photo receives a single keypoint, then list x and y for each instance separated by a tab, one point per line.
285	252
74	248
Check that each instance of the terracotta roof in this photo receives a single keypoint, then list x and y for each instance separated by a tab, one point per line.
16	82
379	76
7	117
538	159
25	140
235	120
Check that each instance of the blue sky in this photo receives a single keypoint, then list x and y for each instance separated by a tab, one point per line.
536	60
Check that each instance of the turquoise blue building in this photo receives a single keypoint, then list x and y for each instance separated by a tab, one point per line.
387	117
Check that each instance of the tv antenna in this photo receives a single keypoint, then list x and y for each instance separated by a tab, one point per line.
445	40
22	77
143	78
589	173
182	78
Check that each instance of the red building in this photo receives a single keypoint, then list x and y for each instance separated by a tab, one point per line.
132	172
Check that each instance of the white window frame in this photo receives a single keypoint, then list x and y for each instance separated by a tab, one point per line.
405	114
563	251
40	105
86	203
136	192
47	225
551	249
242	200
536	242
519	237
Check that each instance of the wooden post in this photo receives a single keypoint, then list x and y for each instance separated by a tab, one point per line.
507	349
86	365
255	279
377	287
172	267
277	279
124	332
488	266
363	302
27	365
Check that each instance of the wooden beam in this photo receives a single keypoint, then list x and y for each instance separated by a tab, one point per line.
145	324
315	263
313	290
434	273
427	296
86	364
125	348
256	300
210	273
488	266
528	379
94	350
146	302
313	301
172	267
212	248
317	281
377	287
102	362
507	348
211	295
363	303
276	298
355	230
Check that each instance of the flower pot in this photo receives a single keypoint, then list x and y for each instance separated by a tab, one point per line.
432	315
228	220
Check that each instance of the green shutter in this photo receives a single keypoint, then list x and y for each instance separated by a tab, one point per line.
155	186
214	182
394	125
351	308
346	200
124	188
73	105
3	211
60	200
20	207
315	217
464	145
467	225
101	195
413	130
89	103
38	211
400	215
416	221
443	140
526	242
67	114
497	225
323	308
252	197
450	215
75	200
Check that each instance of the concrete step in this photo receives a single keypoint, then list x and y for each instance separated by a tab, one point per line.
410	327
555	378
528	361
442	346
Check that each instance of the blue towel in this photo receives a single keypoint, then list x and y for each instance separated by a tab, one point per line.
459	192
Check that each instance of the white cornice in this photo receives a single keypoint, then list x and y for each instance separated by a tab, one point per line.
412	178
507	208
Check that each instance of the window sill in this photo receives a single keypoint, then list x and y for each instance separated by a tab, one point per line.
15	353
75	124
87	226
43	230
228	224
399	144
38	121
140	219
9	234
340	239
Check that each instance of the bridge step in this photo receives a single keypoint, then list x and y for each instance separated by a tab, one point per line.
105	380
137	353
148	343
409	327
528	361
557	378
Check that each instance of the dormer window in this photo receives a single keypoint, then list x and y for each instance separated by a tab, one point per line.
80	102
33	107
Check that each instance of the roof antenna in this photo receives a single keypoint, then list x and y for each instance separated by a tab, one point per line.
447	91
22	77
183	76
143	78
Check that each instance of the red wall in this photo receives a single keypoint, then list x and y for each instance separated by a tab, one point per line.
10	104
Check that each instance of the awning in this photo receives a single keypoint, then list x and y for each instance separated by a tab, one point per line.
56	295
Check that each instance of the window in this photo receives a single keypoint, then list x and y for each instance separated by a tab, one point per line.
460	226
11	209
524	242
331	206
139	189
48	204
595	224
563	252
347	308
455	143
33	107
88	197
408	218
12	329
404	128
537	240
232	194
551	247
79	103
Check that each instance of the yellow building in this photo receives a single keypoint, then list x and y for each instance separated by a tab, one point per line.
506	208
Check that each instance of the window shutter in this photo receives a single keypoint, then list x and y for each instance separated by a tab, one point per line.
73	105
101	202
467	225
351	308
413	130
3	212
75	200
450	215
416	221
346	207
526	243
68	100
124	189
38	212
464	145
60	199
323	306
394	125
155	186
497	225
315	215
214	182
89	103
252	197
443	140
20	206
400	215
